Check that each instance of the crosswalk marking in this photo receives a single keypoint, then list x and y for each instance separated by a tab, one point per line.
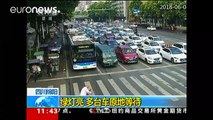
115	86
63	89
76	89
155	85
146	89
50	86
89	85
173	79
168	85
183	71
103	88
129	86
178	74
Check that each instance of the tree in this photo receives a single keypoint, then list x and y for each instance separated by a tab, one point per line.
134	4
101	11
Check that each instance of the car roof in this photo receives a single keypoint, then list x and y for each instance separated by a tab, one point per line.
124	46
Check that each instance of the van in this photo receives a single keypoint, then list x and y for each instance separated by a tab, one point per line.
126	54
106	55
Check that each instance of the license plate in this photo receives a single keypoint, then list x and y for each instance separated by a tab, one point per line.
157	61
85	67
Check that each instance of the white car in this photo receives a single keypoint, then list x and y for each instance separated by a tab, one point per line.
174	54
149	55
182	46
132	45
151	28
154	45
143	37
156	39
137	40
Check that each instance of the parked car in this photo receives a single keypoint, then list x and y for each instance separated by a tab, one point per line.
126	54
137	40
149	55
152	28
156	39
182	46
132	45
174	54
112	43
154	45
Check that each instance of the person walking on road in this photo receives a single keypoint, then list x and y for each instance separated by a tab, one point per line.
49	68
85	91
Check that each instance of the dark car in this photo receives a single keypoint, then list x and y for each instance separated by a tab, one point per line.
112	43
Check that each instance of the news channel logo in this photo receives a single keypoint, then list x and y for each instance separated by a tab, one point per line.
42	97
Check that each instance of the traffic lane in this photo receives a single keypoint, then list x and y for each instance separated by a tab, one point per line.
164	35
164	78
133	66
110	68
63	85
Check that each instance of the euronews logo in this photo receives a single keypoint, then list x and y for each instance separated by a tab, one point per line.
38	10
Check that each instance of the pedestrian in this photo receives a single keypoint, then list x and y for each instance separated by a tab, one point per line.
35	72
49	68
85	91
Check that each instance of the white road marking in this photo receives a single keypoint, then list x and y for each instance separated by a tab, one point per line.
168	85
155	85
143	64
103	88
164	61
50	86
99	70
63	89
122	66
183	71
178	74
115	86
76	89
173	79
88	84
129	86
67	73
109	73
142	86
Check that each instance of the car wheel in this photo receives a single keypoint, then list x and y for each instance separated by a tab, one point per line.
146	61
172	59
122	61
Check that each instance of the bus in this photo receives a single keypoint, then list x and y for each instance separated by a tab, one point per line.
82	53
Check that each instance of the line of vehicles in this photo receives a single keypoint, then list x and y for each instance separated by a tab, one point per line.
99	42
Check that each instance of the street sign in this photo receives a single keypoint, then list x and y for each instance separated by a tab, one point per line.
135	10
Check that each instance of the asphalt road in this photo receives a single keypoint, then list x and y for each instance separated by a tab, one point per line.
124	79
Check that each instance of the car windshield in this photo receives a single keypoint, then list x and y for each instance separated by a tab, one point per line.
185	46
154	44
108	54
130	44
176	51
157	39
124	34
150	52
136	38
119	38
112	43
127	51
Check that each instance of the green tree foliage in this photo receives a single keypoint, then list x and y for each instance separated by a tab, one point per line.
166	11
101	11
134	4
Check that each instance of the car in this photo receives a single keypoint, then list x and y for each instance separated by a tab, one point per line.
152	28
154	45
109	36
181	45
137	40
149	55
132	45
142	36
119	39
173	54
112	43
126	54
156	39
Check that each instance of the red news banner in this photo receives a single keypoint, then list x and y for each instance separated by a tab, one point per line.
42	113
